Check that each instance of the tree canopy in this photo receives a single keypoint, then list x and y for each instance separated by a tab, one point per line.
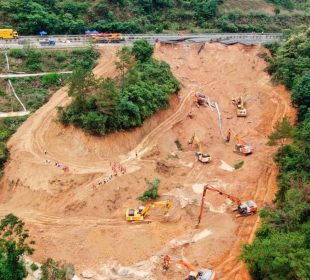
143	87
281	249
14	243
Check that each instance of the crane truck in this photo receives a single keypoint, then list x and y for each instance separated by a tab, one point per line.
8	34
140	213
246	208
106	38
242	148
194	274
200	154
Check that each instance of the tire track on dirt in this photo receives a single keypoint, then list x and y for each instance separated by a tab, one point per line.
231	266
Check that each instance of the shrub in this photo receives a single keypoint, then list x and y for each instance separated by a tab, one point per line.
50	79
34	267
239	164
4	154
17	53
60	57
179	145
152	191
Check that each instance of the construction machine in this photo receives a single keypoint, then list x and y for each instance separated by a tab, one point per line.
8	34
242	148
140	213
202	156
47	42
107	38
201	100
194	274
246	208
239	103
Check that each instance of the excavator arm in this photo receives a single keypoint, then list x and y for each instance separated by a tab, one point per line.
239	141
168	260
210	188
166	204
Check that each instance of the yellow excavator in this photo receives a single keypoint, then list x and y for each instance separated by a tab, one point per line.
140	213
239	103
201	156
242	148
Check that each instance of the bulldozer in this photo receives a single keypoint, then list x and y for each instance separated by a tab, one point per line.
240	104
242	148
246	208
201	156
194	274
140	213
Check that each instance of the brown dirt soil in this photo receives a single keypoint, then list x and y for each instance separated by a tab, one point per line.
71	220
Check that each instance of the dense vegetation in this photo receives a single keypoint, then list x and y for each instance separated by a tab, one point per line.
281	249
136	16
14	243
105	105
7	127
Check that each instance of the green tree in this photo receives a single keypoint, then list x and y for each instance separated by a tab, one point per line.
142	50
152	191
124	62
301	94
283	130
13	245
279	257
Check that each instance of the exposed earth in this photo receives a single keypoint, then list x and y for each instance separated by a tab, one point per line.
71	219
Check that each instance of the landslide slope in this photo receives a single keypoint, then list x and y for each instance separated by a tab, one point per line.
74	216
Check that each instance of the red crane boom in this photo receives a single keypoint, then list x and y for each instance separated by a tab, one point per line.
247	208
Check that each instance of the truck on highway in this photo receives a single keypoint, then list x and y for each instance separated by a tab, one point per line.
106	38
8	34
49	42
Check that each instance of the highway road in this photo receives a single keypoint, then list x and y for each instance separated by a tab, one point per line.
80	41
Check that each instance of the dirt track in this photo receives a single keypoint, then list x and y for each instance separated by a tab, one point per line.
70	220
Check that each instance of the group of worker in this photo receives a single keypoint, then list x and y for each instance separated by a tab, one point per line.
56	163
116	168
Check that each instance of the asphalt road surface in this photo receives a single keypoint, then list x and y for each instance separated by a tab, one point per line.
80	41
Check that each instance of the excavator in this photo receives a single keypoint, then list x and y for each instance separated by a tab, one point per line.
246	208
201	100
194	274
202	157
140	213
242	148
239	103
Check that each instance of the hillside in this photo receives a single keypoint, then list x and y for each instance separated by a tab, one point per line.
137	16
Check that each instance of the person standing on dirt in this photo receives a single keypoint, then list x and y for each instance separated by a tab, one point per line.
228	136
136	154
